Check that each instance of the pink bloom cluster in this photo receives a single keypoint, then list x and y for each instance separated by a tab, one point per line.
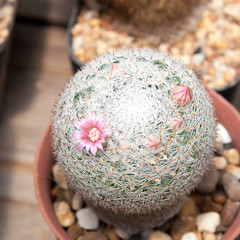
92	133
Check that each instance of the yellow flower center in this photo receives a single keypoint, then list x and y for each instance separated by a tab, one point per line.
94	134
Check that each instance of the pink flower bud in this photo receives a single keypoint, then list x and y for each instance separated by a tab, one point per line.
182	95
175	123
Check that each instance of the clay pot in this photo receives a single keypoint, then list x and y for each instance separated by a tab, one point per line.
226	115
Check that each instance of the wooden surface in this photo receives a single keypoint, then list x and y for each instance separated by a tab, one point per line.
50	11
39	66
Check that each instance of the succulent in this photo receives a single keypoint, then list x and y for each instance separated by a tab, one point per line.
134	132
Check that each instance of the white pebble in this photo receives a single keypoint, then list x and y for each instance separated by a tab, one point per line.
87	219
198	58
223	134
208	221
220	162
189	236
121	233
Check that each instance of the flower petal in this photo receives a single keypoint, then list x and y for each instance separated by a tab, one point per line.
99	145
77	124
94	150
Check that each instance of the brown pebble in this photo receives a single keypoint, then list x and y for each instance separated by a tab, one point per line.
182	225
93	235
209	181
219	197
111	234
232	156
208	205
75	231
231	186
229	212
188	208
198	198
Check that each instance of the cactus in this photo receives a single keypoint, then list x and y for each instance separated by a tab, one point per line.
134	132
153	11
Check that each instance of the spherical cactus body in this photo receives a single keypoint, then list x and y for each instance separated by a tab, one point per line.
134	132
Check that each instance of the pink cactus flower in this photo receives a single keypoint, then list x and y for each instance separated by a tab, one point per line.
154	142
92	133
114	68
182	95
175	123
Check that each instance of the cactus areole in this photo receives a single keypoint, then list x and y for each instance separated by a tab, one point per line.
134	132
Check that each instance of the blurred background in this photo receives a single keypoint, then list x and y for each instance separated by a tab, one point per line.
43	41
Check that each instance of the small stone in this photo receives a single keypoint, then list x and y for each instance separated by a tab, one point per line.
181	226
208	236
75	231
59	176
188	208
229	212
68	195
111	234
198	58
220	162
77	42
209	181
87	219
223	134
93	235
219	236
208	205
233	11
219	197
121	233
234	170
221	228
198	198
64	215
192	236
208	221
77	202
158	235
232	156
231	186
189	236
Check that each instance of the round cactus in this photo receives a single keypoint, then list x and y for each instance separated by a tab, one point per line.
134	132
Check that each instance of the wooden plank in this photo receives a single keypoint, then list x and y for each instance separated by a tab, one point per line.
53	11
22	221
39	67
17	182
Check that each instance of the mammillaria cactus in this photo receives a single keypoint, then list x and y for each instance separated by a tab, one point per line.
154	11
134	132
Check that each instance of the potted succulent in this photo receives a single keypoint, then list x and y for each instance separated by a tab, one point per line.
134	132
106	27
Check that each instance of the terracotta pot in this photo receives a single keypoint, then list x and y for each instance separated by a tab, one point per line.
225	113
